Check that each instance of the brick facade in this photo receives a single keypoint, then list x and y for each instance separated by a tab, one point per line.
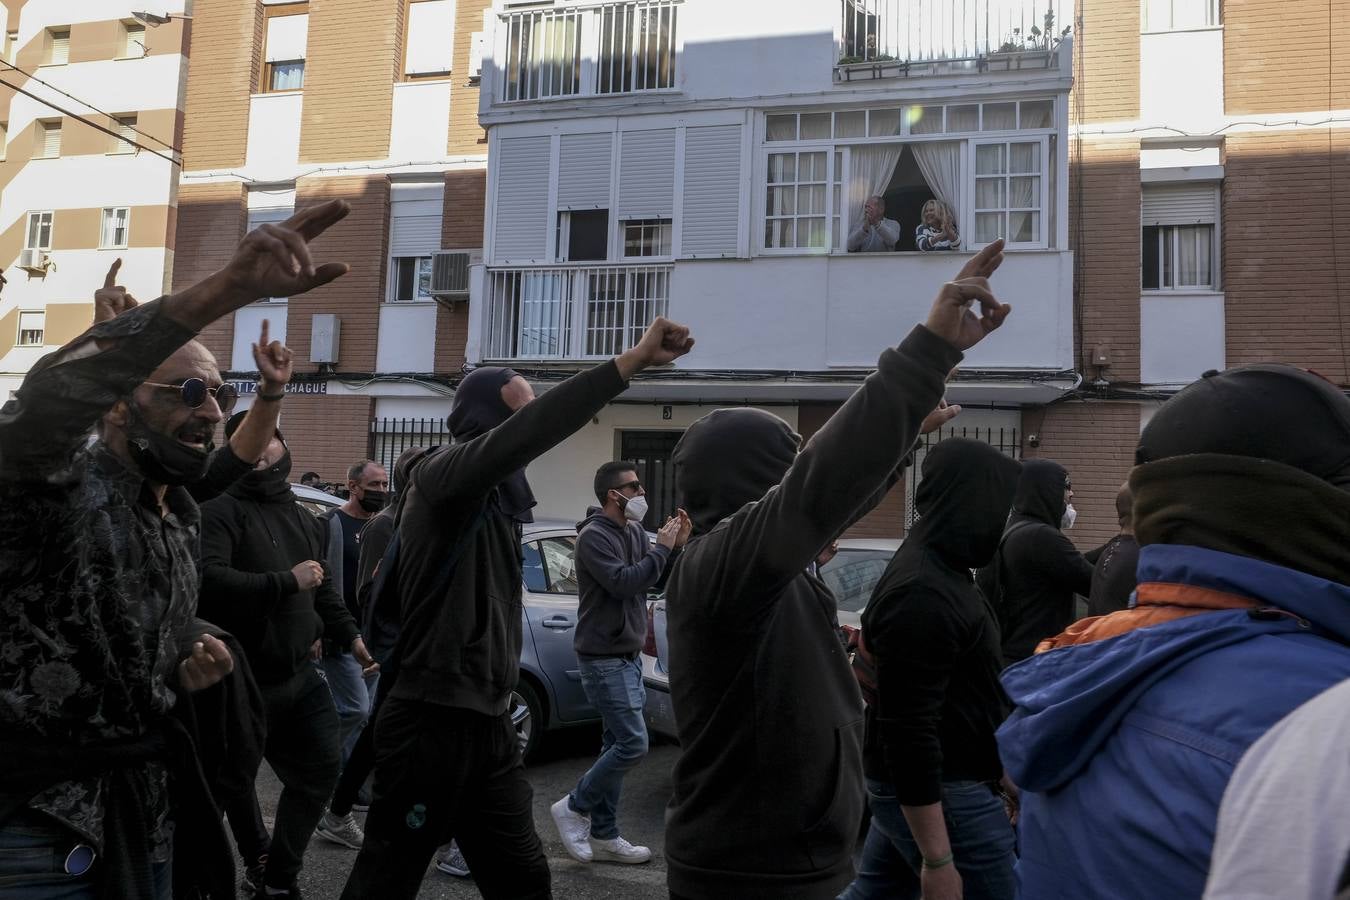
461	229
1095	442
349	79
887	520
1284	303
362	241
226	60
1263	39
211	221
326	434
1106	57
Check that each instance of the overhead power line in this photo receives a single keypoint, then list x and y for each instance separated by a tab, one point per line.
90	122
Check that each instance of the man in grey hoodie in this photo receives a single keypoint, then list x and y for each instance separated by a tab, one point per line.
616	566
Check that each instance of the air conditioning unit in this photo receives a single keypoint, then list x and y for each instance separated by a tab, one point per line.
450	273
35	260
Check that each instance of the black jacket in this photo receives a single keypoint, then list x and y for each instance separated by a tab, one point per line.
768	792
461	642
933	635
251	539
1040	570
1113	575
616	566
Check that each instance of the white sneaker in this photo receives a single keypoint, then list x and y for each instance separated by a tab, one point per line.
574	829
618	850
341	830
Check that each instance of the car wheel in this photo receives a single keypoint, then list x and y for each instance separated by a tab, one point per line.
527	715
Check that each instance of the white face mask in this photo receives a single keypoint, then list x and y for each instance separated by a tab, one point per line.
1070	516
636	509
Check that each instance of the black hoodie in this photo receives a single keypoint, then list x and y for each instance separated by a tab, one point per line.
252	536
1040	569
934	636
616	566
768	792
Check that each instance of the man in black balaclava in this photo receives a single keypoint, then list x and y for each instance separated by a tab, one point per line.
768	791
1039	569
929	752
1131	724
448	757
263	580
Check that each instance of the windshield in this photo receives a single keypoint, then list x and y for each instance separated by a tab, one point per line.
853	574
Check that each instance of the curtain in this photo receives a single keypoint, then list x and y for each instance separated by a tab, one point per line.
870	170
940	163
781	128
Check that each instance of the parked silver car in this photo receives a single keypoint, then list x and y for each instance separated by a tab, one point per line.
316	501
851	575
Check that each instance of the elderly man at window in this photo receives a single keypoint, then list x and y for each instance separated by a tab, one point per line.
875	233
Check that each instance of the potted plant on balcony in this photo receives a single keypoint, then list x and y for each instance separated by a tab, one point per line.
1036	45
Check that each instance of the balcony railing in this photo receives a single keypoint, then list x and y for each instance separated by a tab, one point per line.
901	32
607	48
571	312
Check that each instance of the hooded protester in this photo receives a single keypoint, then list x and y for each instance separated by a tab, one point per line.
1115	562
1127	728
447	756
932	766
768	791
263	582
1037	570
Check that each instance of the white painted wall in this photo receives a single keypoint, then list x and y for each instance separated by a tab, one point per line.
561	478
79	273
412	407
247	325
407	339
421	121
754	46
274	135
1180	337
1181	79
113	85
814	313
81	182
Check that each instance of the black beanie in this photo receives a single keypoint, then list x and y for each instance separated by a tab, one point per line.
1275	412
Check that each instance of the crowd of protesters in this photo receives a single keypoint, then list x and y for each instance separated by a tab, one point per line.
170	617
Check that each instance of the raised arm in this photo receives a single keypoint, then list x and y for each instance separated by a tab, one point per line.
848	461
596	556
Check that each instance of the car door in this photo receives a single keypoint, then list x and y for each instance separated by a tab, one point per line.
551	612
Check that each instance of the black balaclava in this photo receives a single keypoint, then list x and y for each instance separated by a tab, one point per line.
479	408
270	485
161	458
1040	491
729	458
963	501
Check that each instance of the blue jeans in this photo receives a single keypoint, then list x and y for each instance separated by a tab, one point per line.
33	853
981	836
352	695
614	687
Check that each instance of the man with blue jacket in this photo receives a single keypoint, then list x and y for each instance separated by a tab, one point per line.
1127	727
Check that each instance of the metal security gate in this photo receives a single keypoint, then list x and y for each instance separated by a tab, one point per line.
651	452
390	437
1005	440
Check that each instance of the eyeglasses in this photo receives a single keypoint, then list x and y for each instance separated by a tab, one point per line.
194	392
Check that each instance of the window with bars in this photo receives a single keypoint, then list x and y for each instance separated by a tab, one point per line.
39	231
620	304
125	126
116	227
646	237
32	326
410	279
1009	192
133	40
637	47
48	144
795	214
57	47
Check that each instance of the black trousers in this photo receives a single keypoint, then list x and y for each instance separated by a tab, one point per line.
440	774
303	749
362	758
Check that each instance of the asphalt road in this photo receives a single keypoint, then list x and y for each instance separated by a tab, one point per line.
564	758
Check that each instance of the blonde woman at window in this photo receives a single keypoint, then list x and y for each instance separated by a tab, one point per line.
875	233
938	229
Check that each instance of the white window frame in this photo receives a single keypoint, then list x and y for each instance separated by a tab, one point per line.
621	238
124	125
392	295
28	229
1212	287
41	330
562	233
762	216
1213	16
108	228
969	232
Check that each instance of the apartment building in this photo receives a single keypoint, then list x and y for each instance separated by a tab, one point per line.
90	114
375	101
1149	163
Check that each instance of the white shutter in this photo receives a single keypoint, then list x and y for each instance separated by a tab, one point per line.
1180	204
431	37
415	219
520	233
51	139
60	48
135	42
287	37
712	192
583	171
269	216
647	174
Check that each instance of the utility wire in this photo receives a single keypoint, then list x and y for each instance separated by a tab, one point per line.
89	122
85	103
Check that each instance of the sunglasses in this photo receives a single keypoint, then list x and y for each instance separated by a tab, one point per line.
634	485
194	392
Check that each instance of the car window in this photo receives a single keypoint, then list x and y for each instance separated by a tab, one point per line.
532	568
560	564
852	576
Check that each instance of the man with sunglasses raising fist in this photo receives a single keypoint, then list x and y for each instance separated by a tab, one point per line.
99	583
